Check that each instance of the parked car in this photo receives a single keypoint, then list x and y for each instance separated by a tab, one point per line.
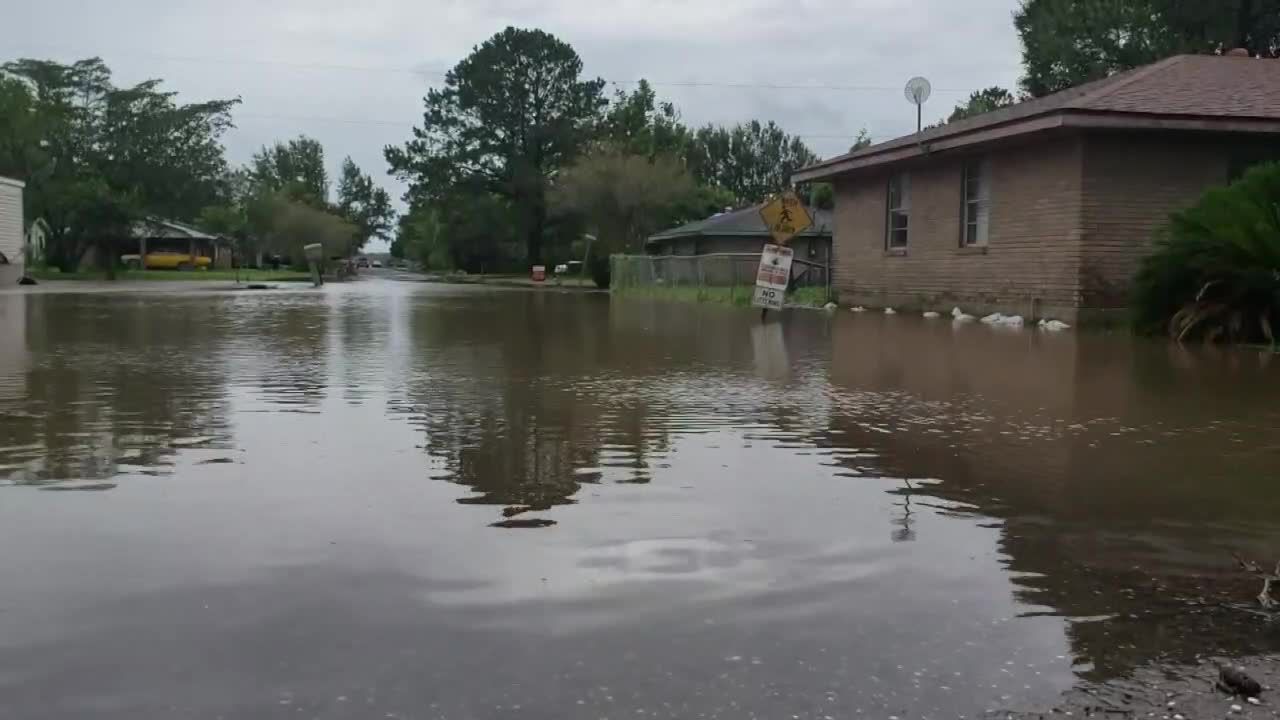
377	263
362	262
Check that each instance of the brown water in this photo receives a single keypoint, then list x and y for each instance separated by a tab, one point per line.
418	501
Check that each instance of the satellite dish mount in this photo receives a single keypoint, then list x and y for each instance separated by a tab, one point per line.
918	91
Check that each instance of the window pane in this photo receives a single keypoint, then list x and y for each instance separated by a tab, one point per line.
975	211
898	210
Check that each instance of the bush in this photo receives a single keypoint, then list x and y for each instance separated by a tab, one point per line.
1215	270
601	271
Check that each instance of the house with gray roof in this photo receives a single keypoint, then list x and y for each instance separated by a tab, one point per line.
741	232
1045	208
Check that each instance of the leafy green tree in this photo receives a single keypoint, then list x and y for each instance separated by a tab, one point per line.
862	140
638	123
481	232
295	168
623	197
97	157
1068	42
420	237
230	222
982	101
364	204
509	116
22	131
283	225
752	161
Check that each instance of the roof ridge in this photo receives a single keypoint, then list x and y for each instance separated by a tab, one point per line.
1140	73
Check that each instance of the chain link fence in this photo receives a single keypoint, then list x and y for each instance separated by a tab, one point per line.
720	270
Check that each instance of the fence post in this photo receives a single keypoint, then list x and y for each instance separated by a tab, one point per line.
733	282
828	273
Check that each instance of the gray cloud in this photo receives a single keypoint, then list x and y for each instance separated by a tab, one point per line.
353	74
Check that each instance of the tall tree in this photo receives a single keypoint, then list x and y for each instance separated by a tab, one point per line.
23	152
105	156
1068	42
284	225
295	168
638	123
751	161
509	116
364	204
982	101
624	196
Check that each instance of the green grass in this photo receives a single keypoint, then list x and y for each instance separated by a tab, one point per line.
739	296
162	275
808	297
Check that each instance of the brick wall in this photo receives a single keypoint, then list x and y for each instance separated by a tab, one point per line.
1029	267
1131	184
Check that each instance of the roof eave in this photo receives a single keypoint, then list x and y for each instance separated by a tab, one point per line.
990	133
1060	119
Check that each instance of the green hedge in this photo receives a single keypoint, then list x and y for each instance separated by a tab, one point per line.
1214	273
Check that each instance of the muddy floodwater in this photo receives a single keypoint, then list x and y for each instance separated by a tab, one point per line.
401	500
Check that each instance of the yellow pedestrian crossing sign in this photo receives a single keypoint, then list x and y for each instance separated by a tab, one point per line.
786	217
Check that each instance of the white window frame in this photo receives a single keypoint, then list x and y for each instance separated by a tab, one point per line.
975	203
897	235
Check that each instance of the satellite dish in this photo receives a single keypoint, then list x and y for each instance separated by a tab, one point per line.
918	91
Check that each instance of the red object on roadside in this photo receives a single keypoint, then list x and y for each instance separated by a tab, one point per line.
539	273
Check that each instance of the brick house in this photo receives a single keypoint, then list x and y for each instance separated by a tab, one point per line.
1044	208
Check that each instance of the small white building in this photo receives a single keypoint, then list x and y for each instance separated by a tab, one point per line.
12	232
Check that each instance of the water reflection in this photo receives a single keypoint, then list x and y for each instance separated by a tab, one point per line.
110	387
1122	473
994	513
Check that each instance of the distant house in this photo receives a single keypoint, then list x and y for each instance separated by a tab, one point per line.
741	231
1045	208
12	237
159	236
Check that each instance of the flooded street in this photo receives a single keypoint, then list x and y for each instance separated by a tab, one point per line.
403	500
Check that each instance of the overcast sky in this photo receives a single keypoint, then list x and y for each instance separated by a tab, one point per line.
352	74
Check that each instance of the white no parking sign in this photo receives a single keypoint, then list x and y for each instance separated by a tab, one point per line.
773	276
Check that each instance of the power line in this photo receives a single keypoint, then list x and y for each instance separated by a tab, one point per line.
320	118
437	72
405	124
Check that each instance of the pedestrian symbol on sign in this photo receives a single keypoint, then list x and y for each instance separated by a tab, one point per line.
786	217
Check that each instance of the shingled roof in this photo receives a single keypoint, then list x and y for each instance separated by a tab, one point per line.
168	230
745	222
1191	92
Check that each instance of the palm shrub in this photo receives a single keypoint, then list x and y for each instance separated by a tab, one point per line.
1214	272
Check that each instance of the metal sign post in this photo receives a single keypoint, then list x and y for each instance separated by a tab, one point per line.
786	217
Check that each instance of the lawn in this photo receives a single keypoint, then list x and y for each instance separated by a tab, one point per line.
740	296
181	275
516	279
